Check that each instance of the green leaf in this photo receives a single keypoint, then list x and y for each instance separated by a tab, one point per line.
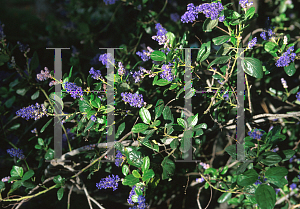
16	185
28	185
136	174
130	180
159	108
252	67
38	146
202	125
28	175
146	164
221	39
171	38
49	154
250	12
158	56
41	141
119	146
34	63
231	150
270	158
200	52
219	60
192	120
224	170
120	130
209	24
247	178
182	122
270	47
4	58
145	115
2	186
162	82
294	90
276	176
167	114
56	99
140	127
286	154
265	196
70	73
125	170
10	102
22	92
60	193
168	168
84	106
89	126
35	95
155	123
148	175
45	126
224	197
207	53
58	179
186	142
16	171
290	70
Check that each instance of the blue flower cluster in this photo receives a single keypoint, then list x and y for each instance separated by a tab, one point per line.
200	180
174	17
256	134
252	43
96	74
245	3
167	74
212	10
93	118
109	1
204	165
106	59
286	58
141	200
298	96
119	159
191	14
134	100
145	55
89	147
5	179
32	112
293	186
109	182
161	35
23	47
268	30
73	89
16	153
138	75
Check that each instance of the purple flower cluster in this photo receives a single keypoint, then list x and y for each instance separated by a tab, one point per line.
96	74
161	35
6	179
200	180
141	200
145	55
121	70
174	17
93	118
245	3
32	112
252	43
204	165
286	58
89	147
256	134
106	59
16	153
109	182
73	89
23	47
44	75
211	10
109	1
138	75
167	74
191	14
52	83
34	131
268	31
298	96
134	100
293	186
119	159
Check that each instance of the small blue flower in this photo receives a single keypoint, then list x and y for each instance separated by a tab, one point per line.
256	134
277	190
174	17
22	47
93	118
96	74
106	59
167	74
245	3
161	35
222	18
32	112
73	89
293	186
119	159
121	70
210	10
134	100
252	43
109	182
263	35
286	58
109	1
298	96
16	153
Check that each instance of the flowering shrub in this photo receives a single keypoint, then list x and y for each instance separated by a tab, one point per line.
155	131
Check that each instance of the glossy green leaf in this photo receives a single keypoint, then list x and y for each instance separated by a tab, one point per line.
209	24
219	60
290	70
148	175
120	130
16	171
201	52
84	106
89	126
247	178
252	67
28	175
270	47
270	158
10	102
182	122
168	168
158	56
276	176
192	120
60	193
159	107
22	92
221	39
224	197
186	141
130	180
58	179
49	154
207	52
250	12
162	82
35	95
232	151
146	164
41	141
139	128
136	174
125	169
265	196
167	114
286	154
171	37
145	115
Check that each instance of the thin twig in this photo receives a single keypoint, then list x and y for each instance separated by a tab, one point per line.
69	196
